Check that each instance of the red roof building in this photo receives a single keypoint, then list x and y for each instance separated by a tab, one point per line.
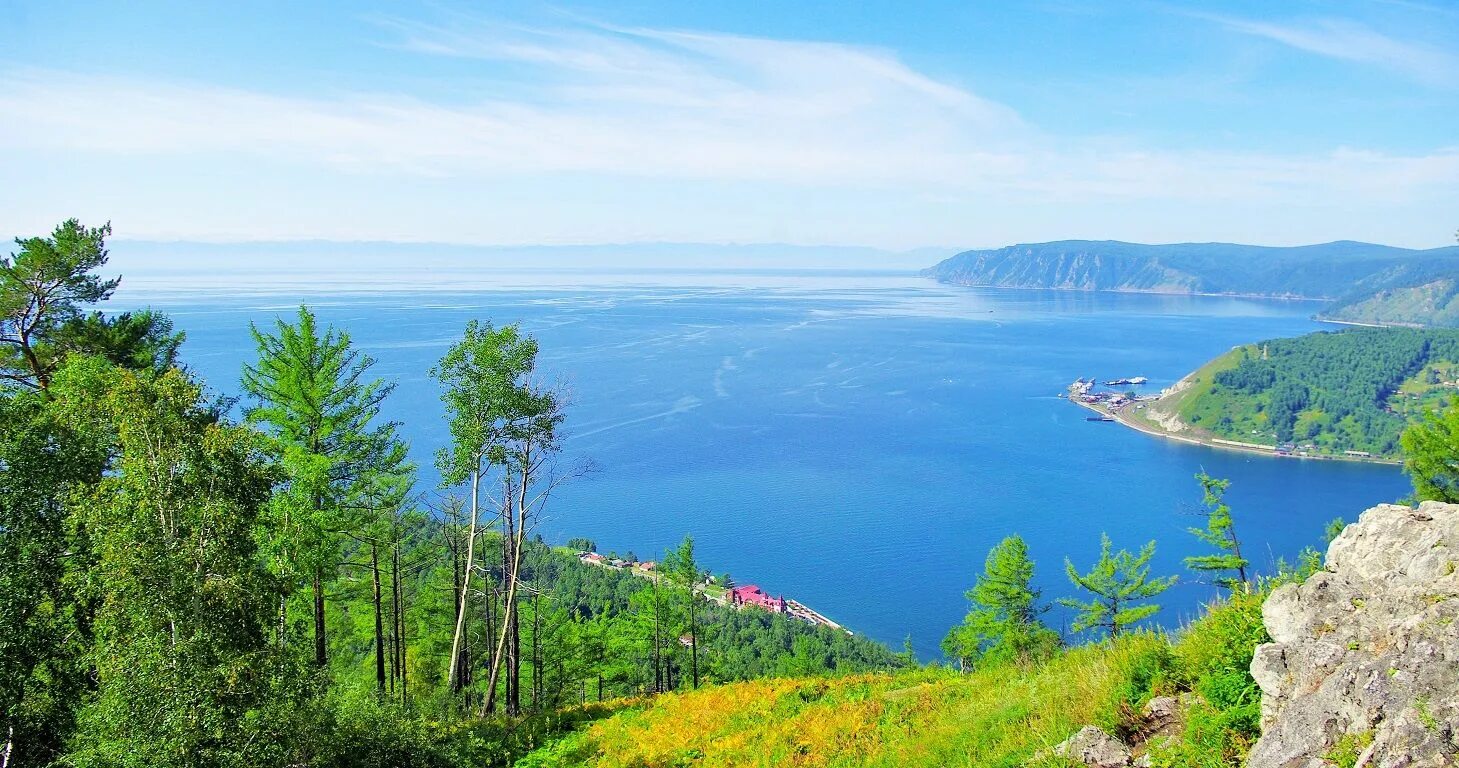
753	595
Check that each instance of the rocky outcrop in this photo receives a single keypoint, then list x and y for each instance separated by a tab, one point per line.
1364	665
1093	747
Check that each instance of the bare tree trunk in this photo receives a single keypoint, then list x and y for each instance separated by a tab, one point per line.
9	747
400	635
693	638
454	671
1236	550
397	621
379	623
321	654
657	659
511	575
537	689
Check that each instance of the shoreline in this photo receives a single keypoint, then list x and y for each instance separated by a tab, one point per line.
794	608
1225	445
1217	294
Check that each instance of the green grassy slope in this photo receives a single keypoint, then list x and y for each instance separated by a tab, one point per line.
1003	716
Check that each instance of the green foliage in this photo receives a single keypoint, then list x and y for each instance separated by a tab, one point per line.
181	656
1004	623
44	290
1345	753
1146	670
482	376
1431	454
1119	581
1333	529
1219	533
43	621
1329	392
310	392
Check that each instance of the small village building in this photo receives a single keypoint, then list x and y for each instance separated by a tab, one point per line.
753	595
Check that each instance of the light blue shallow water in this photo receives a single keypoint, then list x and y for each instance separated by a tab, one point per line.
857	442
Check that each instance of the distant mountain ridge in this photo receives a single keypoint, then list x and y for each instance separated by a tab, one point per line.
1366	280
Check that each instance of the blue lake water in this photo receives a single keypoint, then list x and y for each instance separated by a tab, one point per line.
856	441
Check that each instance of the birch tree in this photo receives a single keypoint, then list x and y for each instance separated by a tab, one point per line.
482	378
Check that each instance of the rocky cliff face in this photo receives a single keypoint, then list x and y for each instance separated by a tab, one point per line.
1364	667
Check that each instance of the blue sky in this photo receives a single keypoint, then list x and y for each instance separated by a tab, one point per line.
895	125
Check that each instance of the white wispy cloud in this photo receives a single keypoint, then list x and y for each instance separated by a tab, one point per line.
1349	41
682	107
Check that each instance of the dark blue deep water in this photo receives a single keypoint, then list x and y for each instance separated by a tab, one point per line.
854	441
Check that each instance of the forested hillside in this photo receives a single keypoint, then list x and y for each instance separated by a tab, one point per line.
183	587
1350	272
1432	302
1323	393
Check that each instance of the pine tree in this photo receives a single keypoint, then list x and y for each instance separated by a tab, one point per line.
1004	623
1118	581
683	570
44	291
310	391
1221	534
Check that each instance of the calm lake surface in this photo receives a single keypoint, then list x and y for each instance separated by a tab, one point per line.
857	441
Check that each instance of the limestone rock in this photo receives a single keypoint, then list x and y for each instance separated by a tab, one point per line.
1093	747
1162	709
1365	655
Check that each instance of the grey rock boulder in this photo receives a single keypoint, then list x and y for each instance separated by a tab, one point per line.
1093	747
1365	654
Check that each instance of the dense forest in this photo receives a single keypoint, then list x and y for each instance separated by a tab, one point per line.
1327	392
193	580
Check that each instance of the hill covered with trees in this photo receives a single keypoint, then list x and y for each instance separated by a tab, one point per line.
1325	393
1369	283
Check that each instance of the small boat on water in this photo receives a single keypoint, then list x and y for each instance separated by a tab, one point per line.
1099	418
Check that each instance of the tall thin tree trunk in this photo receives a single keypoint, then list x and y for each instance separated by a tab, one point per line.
379	623
400	626
397	634
658	666
452	674
507	603
693	638
321	654
537	689
489	611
